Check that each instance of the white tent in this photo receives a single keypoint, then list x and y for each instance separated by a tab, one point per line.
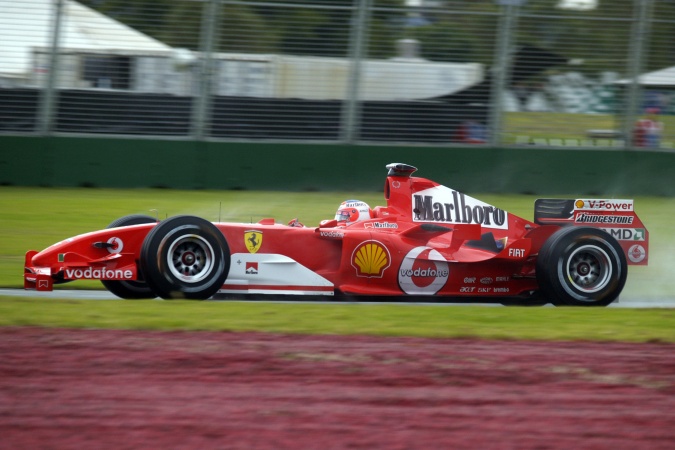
27	25
663	77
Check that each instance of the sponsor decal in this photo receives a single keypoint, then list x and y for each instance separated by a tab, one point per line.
116	245
483	289
486	280
470	280
252	268
441	204
517	252
99	274
424	271
370	259
603	205
637	253
599	218
396	184
332	234
253	240
501	279
381	225
353	204
626	234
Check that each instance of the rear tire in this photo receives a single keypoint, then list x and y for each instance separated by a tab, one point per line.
130	290
185	257
581	267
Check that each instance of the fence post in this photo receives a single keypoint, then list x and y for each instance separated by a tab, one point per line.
202	105
350	117
502	67
49	92
636	57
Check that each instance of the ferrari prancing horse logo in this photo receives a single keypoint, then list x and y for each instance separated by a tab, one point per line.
253	240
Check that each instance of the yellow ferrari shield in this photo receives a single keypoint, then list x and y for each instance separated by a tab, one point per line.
253	240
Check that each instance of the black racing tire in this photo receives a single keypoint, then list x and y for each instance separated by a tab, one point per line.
135	289
185	257
581	266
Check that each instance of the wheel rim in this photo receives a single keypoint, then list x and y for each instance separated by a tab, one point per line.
190	258
589	269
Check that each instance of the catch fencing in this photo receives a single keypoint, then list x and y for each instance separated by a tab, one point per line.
554	73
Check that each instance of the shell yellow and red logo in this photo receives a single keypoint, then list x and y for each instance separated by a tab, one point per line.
371	259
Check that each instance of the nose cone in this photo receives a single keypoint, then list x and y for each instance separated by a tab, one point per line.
50	255
79	245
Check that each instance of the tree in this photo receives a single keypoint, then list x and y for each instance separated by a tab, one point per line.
454	31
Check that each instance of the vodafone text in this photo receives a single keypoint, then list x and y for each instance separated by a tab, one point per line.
99	274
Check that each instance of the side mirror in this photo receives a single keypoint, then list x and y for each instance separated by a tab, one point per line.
332	223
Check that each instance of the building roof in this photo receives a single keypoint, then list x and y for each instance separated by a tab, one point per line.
662	77
27	25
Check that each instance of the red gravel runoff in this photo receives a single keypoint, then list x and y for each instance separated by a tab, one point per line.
85	389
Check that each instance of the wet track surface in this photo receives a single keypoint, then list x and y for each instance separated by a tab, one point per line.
72	294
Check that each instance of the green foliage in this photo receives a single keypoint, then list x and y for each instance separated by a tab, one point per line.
443	41
455	31
242	30
147	16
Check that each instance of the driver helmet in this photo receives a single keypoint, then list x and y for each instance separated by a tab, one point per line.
352	211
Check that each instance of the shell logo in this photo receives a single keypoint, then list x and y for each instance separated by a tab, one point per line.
579	204
371	259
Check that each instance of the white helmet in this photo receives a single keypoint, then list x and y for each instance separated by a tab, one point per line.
351	211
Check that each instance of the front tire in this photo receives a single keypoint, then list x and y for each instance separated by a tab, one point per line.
185	257
130	290
581	267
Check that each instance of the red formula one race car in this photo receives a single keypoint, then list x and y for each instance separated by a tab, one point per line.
429	242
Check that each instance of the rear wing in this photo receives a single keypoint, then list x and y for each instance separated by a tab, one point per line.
616	217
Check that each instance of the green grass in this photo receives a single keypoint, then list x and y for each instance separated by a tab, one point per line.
569	126
34	218
600	324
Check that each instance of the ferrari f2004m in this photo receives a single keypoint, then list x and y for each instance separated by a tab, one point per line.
430	242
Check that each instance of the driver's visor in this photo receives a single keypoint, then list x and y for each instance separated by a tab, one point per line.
343	215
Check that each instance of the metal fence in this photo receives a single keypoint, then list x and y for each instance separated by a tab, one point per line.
575	73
